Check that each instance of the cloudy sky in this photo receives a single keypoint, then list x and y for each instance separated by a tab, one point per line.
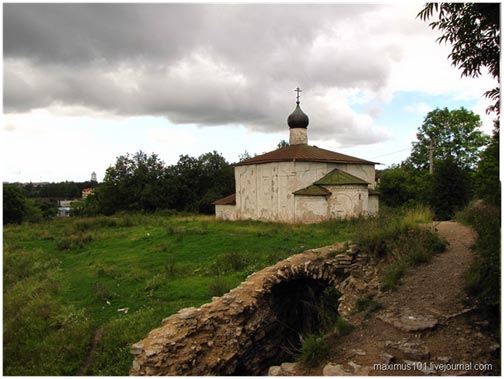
85	83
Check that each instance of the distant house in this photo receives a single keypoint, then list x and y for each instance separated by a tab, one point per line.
86	192
300	183
64	207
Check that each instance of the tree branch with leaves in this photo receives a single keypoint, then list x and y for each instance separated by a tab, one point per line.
473	30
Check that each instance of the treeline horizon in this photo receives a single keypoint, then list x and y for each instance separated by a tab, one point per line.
135	183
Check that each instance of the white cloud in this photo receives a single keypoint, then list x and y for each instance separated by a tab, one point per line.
169	137
418	108
486	119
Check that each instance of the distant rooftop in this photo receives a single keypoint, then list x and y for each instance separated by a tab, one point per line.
228	200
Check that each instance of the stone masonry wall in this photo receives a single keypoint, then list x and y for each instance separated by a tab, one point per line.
238	333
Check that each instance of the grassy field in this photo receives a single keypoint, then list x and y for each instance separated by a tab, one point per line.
67	280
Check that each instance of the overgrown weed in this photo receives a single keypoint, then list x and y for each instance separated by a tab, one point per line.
228	263
368	305
75	241
218	287
315	349
483	277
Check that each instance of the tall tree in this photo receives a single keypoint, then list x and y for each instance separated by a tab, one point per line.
487	184
451	189
197	182
451	135
400	185
133	183
15	208
282	143
473	30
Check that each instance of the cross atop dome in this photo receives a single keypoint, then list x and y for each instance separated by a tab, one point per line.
297	97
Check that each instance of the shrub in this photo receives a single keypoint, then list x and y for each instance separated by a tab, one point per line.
76	241
155	282
342	327
375	235
483	277
104	270
101	292
94	223
179	234
218	287
171	267
227	263
368	305
392	275
451	189
401	239
314	350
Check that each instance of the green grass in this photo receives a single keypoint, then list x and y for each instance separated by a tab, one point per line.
83	270
66	278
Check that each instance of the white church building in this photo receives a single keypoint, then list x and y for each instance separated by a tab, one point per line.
300	183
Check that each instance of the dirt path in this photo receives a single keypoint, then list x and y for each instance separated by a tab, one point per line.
427	324
84	370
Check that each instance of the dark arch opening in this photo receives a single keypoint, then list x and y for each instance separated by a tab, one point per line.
297	308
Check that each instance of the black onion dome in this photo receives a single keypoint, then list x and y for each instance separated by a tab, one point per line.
298	119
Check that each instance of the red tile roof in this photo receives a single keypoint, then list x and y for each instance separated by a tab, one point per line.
303	153
228	200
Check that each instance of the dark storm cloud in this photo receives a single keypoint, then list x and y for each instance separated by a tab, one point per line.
201	64
79	33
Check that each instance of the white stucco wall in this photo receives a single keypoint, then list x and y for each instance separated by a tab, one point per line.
310	209
264	191
348	201
365	172
298	136
225	212
373	204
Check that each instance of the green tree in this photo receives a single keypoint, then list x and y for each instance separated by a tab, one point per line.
282	143
15	208
48	208
487	183
246	155
216	181
451	189
90	206
400	185
473	30
197	182
140	182
134	183
454	134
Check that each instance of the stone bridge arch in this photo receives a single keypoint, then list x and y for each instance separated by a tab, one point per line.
241	332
